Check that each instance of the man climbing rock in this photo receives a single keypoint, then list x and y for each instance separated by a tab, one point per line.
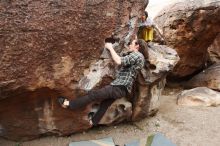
130	64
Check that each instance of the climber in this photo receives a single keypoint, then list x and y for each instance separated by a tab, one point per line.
125	77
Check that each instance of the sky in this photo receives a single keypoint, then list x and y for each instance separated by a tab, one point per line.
155	6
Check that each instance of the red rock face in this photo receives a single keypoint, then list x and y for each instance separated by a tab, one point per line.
46	49
190	27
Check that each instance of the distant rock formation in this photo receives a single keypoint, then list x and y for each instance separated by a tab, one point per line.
200	96
214	50
209	78
190	27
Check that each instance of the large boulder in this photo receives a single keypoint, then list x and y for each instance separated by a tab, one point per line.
49	48
152	79
200	96
208	78
190	27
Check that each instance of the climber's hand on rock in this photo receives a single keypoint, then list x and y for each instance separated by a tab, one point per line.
108	46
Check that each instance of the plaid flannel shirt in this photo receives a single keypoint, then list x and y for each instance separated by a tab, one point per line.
130	64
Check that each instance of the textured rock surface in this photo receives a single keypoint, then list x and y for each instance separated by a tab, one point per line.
208	78
51	48
119	111
152	79
214	50
190	27
200	96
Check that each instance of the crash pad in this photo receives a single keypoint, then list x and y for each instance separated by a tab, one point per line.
153	140
99	142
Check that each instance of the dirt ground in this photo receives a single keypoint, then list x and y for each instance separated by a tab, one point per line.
184	126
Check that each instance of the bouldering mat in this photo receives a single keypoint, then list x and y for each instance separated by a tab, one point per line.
153	140
99	142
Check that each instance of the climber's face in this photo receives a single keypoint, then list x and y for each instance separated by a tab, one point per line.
133	46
